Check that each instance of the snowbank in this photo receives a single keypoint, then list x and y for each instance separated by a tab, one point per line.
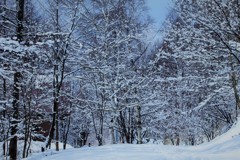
35	148
224	147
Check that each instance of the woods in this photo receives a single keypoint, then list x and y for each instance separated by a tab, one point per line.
88	72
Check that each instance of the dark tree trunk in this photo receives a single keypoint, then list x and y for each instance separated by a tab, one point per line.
112	131
57	132
4	88
139	125
25	134
100	140
99	132
125	132
29	145
17	75
56	104
13	148
131	124
20	18
57	120
27	130
178	141
66	134
52	129
234	85
56	86
14	121
4	116
51	132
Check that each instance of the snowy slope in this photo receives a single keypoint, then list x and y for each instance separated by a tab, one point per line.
224	147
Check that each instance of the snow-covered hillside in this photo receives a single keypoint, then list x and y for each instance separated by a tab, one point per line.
224	147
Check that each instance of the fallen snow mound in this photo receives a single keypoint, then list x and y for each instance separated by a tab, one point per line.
224	147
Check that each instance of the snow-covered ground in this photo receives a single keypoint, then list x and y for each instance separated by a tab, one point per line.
224	147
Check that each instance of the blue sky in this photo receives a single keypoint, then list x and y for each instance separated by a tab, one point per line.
158	9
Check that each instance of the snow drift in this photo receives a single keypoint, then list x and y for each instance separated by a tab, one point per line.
224	147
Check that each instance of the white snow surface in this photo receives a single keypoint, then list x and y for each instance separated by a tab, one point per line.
224	147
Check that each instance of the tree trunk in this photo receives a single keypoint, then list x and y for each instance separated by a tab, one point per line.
13	147
55	110
4	89
14	121
112	131
51	132
66	134
178	141
4	116
139	125
56	105
99	138
126	134
25	134
30	140
57	84
20	18
57	127
16	92
16	81
27	130
131	124
234	85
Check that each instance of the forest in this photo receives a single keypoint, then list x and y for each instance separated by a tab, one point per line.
88	72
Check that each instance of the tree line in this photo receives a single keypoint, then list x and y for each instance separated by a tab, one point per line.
80	72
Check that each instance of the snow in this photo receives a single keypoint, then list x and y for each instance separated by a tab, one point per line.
35	148
224	147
